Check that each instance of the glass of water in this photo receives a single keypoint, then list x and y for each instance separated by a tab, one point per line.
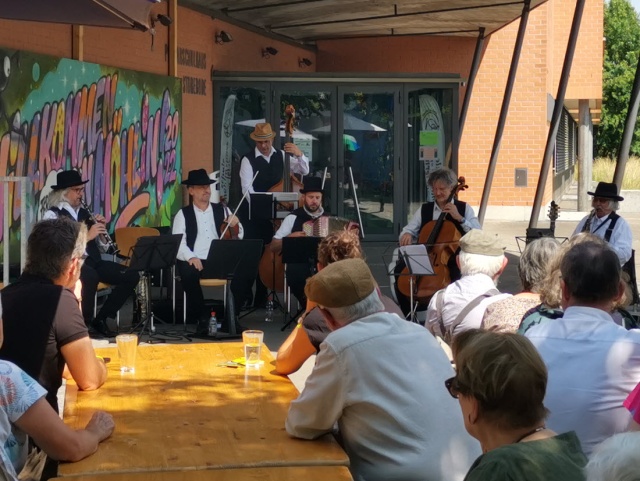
252	341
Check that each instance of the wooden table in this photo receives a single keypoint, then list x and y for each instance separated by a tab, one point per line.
181	411
306	473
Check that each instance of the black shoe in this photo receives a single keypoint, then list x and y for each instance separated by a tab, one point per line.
202	327
100	326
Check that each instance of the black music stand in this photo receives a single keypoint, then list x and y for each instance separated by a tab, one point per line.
300	250
416	259
226	257
152	253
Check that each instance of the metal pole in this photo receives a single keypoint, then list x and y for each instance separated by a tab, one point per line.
517	48
629	128
557	110
23	223
5	235
475	64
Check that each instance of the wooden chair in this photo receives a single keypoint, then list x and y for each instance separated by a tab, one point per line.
207	283
126	238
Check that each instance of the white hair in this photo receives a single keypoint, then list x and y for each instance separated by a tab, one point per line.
56	197
471	264
367	306
616	459
614	205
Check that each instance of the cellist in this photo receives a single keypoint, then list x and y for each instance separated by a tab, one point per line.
442	182
269	163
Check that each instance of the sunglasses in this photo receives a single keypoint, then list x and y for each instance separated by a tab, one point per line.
452	386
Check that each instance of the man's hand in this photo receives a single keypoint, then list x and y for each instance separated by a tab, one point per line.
100	218
292	149
299	233
101	424
452	210
195	262
96	230
406	239
232	220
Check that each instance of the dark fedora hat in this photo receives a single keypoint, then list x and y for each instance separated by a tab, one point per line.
606	190
198	177
312	184
68	178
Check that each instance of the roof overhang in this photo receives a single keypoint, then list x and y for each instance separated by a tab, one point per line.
308	21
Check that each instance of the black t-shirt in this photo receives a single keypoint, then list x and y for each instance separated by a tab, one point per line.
317	329
39	319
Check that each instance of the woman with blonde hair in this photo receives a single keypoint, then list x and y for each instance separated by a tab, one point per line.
311	330
500	383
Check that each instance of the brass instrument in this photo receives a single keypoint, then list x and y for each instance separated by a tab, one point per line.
323	226
587	225
112	247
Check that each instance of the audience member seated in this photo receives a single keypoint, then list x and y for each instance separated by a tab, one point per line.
500	385
593	363
461	305
25	412
44	327
305	339
550	292
616	459
505	315
377	377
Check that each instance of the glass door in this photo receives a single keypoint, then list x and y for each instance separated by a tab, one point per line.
368	159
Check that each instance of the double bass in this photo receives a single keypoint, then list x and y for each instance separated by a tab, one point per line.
442	239
271	268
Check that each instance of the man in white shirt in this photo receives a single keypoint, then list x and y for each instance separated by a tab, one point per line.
380	380
461	305
66	201
593	363
200	223
268	163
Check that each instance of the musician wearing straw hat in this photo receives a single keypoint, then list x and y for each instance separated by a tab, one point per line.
66	200
268	163
292	226
200	223
604	222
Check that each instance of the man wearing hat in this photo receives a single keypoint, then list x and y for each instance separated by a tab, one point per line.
292	226
380	379
268	161
199	223
461	305
66	200
606	223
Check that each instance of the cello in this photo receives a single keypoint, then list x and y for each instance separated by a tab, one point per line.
442	239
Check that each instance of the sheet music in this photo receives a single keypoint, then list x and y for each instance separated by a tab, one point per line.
417	259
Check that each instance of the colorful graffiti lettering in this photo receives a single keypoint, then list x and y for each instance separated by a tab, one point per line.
121	130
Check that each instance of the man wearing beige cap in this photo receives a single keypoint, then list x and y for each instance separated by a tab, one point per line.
461	305
379	379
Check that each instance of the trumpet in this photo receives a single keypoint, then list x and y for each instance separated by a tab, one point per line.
112	247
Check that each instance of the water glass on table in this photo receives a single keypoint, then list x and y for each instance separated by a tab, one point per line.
127	346
252	341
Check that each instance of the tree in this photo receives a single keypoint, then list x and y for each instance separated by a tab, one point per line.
622	33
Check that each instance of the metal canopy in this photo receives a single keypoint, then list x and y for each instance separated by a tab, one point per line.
312	20
102	13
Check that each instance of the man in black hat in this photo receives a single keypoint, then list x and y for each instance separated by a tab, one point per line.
200	223
66	200
604	222
292	226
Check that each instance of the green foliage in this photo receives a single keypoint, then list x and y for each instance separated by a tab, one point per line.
622	33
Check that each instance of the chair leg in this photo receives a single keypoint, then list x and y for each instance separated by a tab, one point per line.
184	309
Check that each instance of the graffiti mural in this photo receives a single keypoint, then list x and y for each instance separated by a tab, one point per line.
121	129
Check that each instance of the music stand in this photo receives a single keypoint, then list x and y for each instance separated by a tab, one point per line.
226	257
416	259
152	253
299	250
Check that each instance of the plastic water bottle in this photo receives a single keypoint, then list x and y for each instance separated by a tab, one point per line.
268	317
213	325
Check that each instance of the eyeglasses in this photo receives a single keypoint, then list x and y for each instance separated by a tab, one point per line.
452	386
83	256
